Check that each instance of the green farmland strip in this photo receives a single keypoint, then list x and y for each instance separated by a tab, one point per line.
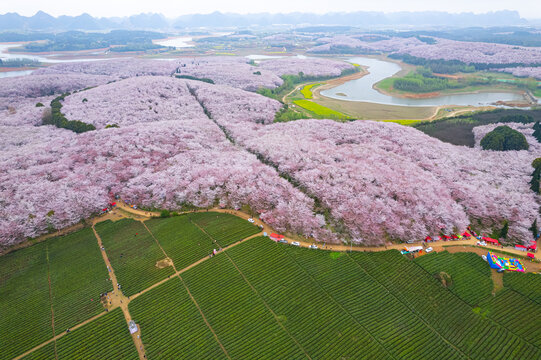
476	336
78	277
517	313
25	307
183	242
44	353
171	325
320	110
107	337
470	278
240	319
226	229
307	90
402	333
321	327
133	254
528	284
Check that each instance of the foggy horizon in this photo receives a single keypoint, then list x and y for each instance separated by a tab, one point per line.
102	8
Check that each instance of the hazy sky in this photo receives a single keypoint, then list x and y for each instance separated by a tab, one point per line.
171	8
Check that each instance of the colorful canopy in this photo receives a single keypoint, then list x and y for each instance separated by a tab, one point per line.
491	240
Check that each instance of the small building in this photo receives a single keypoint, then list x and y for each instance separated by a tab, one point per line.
530	255
491	240
133	327
520	247
533	246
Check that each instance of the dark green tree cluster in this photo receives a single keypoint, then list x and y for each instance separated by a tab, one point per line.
503	138
537	131
536	176
189	77
437	66
58	119
286	114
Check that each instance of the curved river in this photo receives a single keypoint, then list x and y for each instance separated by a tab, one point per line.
362	89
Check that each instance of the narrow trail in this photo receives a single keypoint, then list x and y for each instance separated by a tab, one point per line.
117	298
177	273
51	298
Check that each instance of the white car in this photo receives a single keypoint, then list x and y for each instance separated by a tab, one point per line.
313	246
429	249
296	243
251	220
481	243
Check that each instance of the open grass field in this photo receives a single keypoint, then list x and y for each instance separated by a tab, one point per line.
259	299
321	111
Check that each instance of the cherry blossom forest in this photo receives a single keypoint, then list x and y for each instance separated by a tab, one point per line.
180	142
492	54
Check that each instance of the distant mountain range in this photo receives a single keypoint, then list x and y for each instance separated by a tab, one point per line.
42	21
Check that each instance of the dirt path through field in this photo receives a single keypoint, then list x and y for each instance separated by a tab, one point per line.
177	273
117	299
51	297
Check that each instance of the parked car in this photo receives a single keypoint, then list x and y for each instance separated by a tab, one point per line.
283	241
251	220
313	246
296	243
410	241
429	249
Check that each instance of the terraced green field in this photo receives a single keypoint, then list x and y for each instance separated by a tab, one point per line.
469	274
258	299
181	334
226	229
133	253
25	306
75	294
181	239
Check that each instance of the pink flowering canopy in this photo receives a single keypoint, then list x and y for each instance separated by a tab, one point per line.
364	181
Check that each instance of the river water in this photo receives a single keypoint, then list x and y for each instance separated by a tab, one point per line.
362	89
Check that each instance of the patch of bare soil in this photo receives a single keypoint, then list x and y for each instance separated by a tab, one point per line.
164	263
497	279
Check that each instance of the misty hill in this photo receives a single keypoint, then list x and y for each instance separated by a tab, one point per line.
42	21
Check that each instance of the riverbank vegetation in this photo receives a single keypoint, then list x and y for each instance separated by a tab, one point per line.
19	63
426	80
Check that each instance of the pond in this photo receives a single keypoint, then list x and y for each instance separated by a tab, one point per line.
362	89
179	42
7	74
